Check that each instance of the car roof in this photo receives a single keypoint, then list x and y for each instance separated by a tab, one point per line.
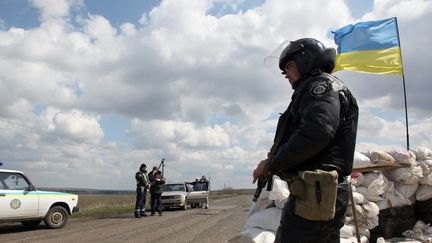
10	171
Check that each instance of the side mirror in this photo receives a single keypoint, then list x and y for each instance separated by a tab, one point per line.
31	188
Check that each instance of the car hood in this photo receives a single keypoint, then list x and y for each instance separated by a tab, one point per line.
173	193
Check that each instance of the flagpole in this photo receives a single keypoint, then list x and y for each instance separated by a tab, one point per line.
404	87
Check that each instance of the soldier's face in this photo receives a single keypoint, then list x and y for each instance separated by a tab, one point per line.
291	72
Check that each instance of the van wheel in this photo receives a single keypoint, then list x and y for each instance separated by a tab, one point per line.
31	223
56	217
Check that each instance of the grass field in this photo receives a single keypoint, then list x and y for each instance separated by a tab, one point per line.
99	205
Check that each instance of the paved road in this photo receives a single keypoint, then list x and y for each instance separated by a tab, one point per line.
222	221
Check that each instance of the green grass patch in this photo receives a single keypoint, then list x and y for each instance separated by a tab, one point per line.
102	205
105	211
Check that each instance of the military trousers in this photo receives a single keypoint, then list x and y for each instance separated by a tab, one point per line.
140	202
293	228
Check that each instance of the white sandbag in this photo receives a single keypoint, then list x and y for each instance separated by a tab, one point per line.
407	191
422	153
346	231
344	240
358	198
404	157
380	157
408	175
363	239
357	179
266	219
368	195
420	232
426	180
376	182
370	209
279	193
423	193
426	166
392	198
253	235
361	160
262	202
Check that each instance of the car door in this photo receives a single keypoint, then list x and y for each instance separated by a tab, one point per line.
198	194
16	201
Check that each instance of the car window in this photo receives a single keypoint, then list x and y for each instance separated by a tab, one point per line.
174	187
12	181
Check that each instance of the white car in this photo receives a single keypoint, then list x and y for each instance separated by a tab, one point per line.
182	195
21	201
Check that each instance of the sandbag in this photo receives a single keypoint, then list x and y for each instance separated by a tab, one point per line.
407	191
262	202
392	198
423	193
356	179
361	160
266	219
408	175
279	193
376	182
422	153
426	166
380	157
253	235
404	158
368	195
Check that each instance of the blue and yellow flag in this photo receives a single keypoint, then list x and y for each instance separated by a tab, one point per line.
370	47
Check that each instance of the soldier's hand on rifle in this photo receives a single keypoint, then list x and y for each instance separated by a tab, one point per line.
261	171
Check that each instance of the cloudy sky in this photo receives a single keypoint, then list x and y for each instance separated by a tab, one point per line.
91	89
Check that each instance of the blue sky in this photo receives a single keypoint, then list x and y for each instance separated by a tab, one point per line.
94	88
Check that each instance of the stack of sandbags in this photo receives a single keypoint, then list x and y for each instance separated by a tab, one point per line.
423	204
264	215
371	187
396	195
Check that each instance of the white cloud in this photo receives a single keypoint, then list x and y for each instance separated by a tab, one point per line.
75	124
192	87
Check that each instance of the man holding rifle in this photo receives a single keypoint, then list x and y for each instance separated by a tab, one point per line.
314	145
156	188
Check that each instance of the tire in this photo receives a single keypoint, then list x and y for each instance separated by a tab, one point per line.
31	223
56	217
185	206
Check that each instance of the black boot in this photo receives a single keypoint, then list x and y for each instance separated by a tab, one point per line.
137	215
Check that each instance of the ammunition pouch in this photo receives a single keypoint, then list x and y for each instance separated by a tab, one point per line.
315	193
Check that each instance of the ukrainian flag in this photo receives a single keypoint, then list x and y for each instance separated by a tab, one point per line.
370	47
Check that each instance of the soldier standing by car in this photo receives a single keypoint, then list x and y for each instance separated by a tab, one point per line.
156	189
142	183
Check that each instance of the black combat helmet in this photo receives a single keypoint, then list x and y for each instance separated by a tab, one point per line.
309	54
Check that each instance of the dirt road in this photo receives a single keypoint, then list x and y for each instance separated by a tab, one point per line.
222	221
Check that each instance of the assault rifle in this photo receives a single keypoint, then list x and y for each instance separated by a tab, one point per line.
162	163
261	184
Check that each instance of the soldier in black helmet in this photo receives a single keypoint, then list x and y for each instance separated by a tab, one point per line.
142	183
314	145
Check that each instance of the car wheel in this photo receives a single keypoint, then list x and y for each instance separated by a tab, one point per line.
31	223
185	205
56	217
